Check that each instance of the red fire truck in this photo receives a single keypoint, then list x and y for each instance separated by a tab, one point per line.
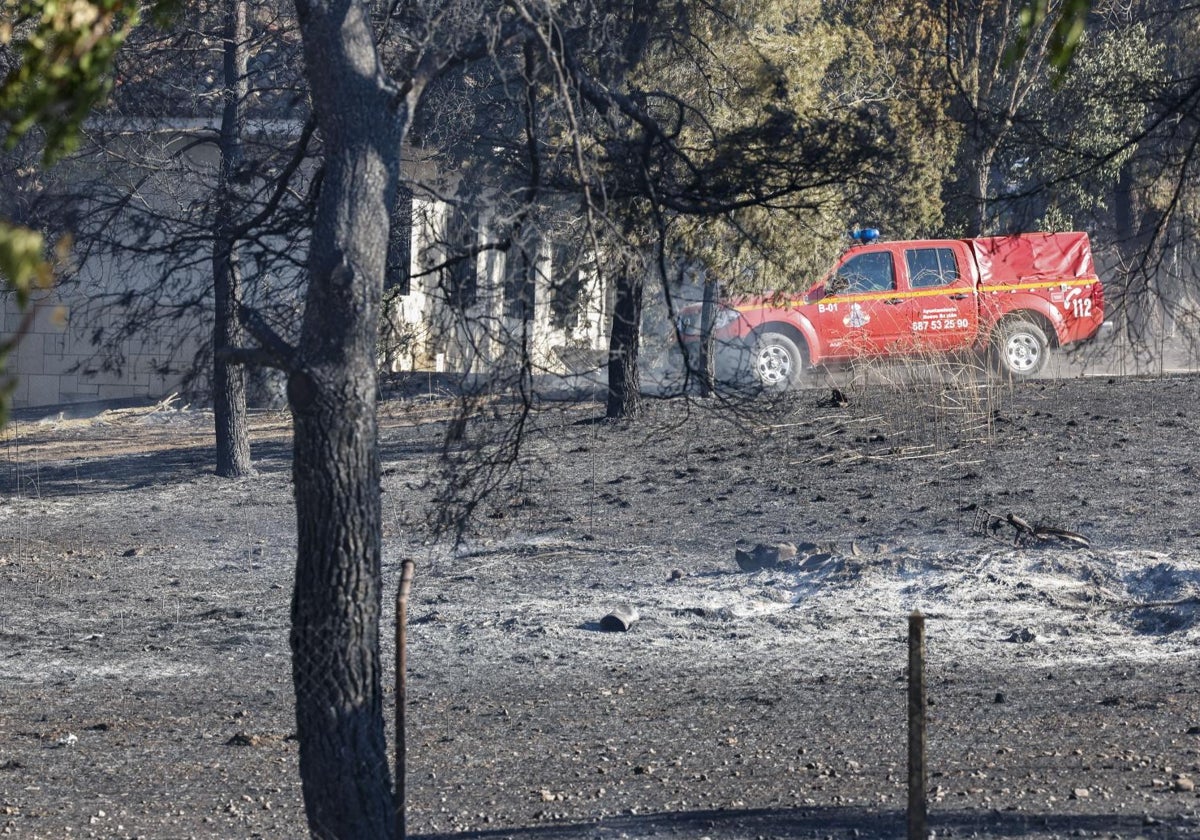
1013	298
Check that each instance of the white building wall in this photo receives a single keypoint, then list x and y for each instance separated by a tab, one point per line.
55	362
482	339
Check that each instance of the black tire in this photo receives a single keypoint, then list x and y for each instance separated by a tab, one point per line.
776	362
1019	349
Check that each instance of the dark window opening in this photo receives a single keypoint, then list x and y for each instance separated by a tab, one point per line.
398	273
928	267
868	273
520	279
568	288
460	275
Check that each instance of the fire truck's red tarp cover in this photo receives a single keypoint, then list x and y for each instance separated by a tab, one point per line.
1033	256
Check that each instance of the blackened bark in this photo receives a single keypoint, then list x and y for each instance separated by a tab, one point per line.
229	380
1138	233
980	187
706	366
336	605
1123	207
967	204
336	668
624	383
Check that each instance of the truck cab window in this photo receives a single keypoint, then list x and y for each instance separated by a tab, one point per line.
867	273
929	267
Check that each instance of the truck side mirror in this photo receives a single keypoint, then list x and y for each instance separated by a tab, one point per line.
838	284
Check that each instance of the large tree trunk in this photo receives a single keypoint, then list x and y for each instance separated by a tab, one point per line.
336	604
980	188
706	364
1137	307
229	380
967	206
624	384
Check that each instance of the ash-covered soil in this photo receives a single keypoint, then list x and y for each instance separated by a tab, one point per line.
145	685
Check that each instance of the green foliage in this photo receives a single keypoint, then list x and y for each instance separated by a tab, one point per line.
25	269
1070	20
1054	219
892	64
65	50
760	91
1097	105
810	66
21	261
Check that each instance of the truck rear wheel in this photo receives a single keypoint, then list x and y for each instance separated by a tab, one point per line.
777	361
1019	348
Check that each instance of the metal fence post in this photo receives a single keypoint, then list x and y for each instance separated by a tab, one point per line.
917	795
406	577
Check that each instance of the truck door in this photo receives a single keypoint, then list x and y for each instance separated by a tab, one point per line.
942	305
863	313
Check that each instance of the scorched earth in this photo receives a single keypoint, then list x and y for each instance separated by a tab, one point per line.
145	686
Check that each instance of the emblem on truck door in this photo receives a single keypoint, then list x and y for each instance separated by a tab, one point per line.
856	317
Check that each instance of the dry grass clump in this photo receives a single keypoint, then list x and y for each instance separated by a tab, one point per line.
934	401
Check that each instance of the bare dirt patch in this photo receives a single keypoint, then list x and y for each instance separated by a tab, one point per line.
144	670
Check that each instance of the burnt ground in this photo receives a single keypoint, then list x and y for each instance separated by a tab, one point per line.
144	670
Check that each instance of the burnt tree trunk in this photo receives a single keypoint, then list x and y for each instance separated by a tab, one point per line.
706	364
980	192
336	604
624	383
969	204
229	379
1139	229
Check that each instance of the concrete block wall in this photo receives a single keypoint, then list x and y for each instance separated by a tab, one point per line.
51	361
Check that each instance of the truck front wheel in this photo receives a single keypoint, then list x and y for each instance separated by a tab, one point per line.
777	361
1019	348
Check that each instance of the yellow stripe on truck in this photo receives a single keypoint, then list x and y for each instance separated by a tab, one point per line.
1019	287
941	290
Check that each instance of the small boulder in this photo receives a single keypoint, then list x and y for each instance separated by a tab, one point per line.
620	619
764	556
